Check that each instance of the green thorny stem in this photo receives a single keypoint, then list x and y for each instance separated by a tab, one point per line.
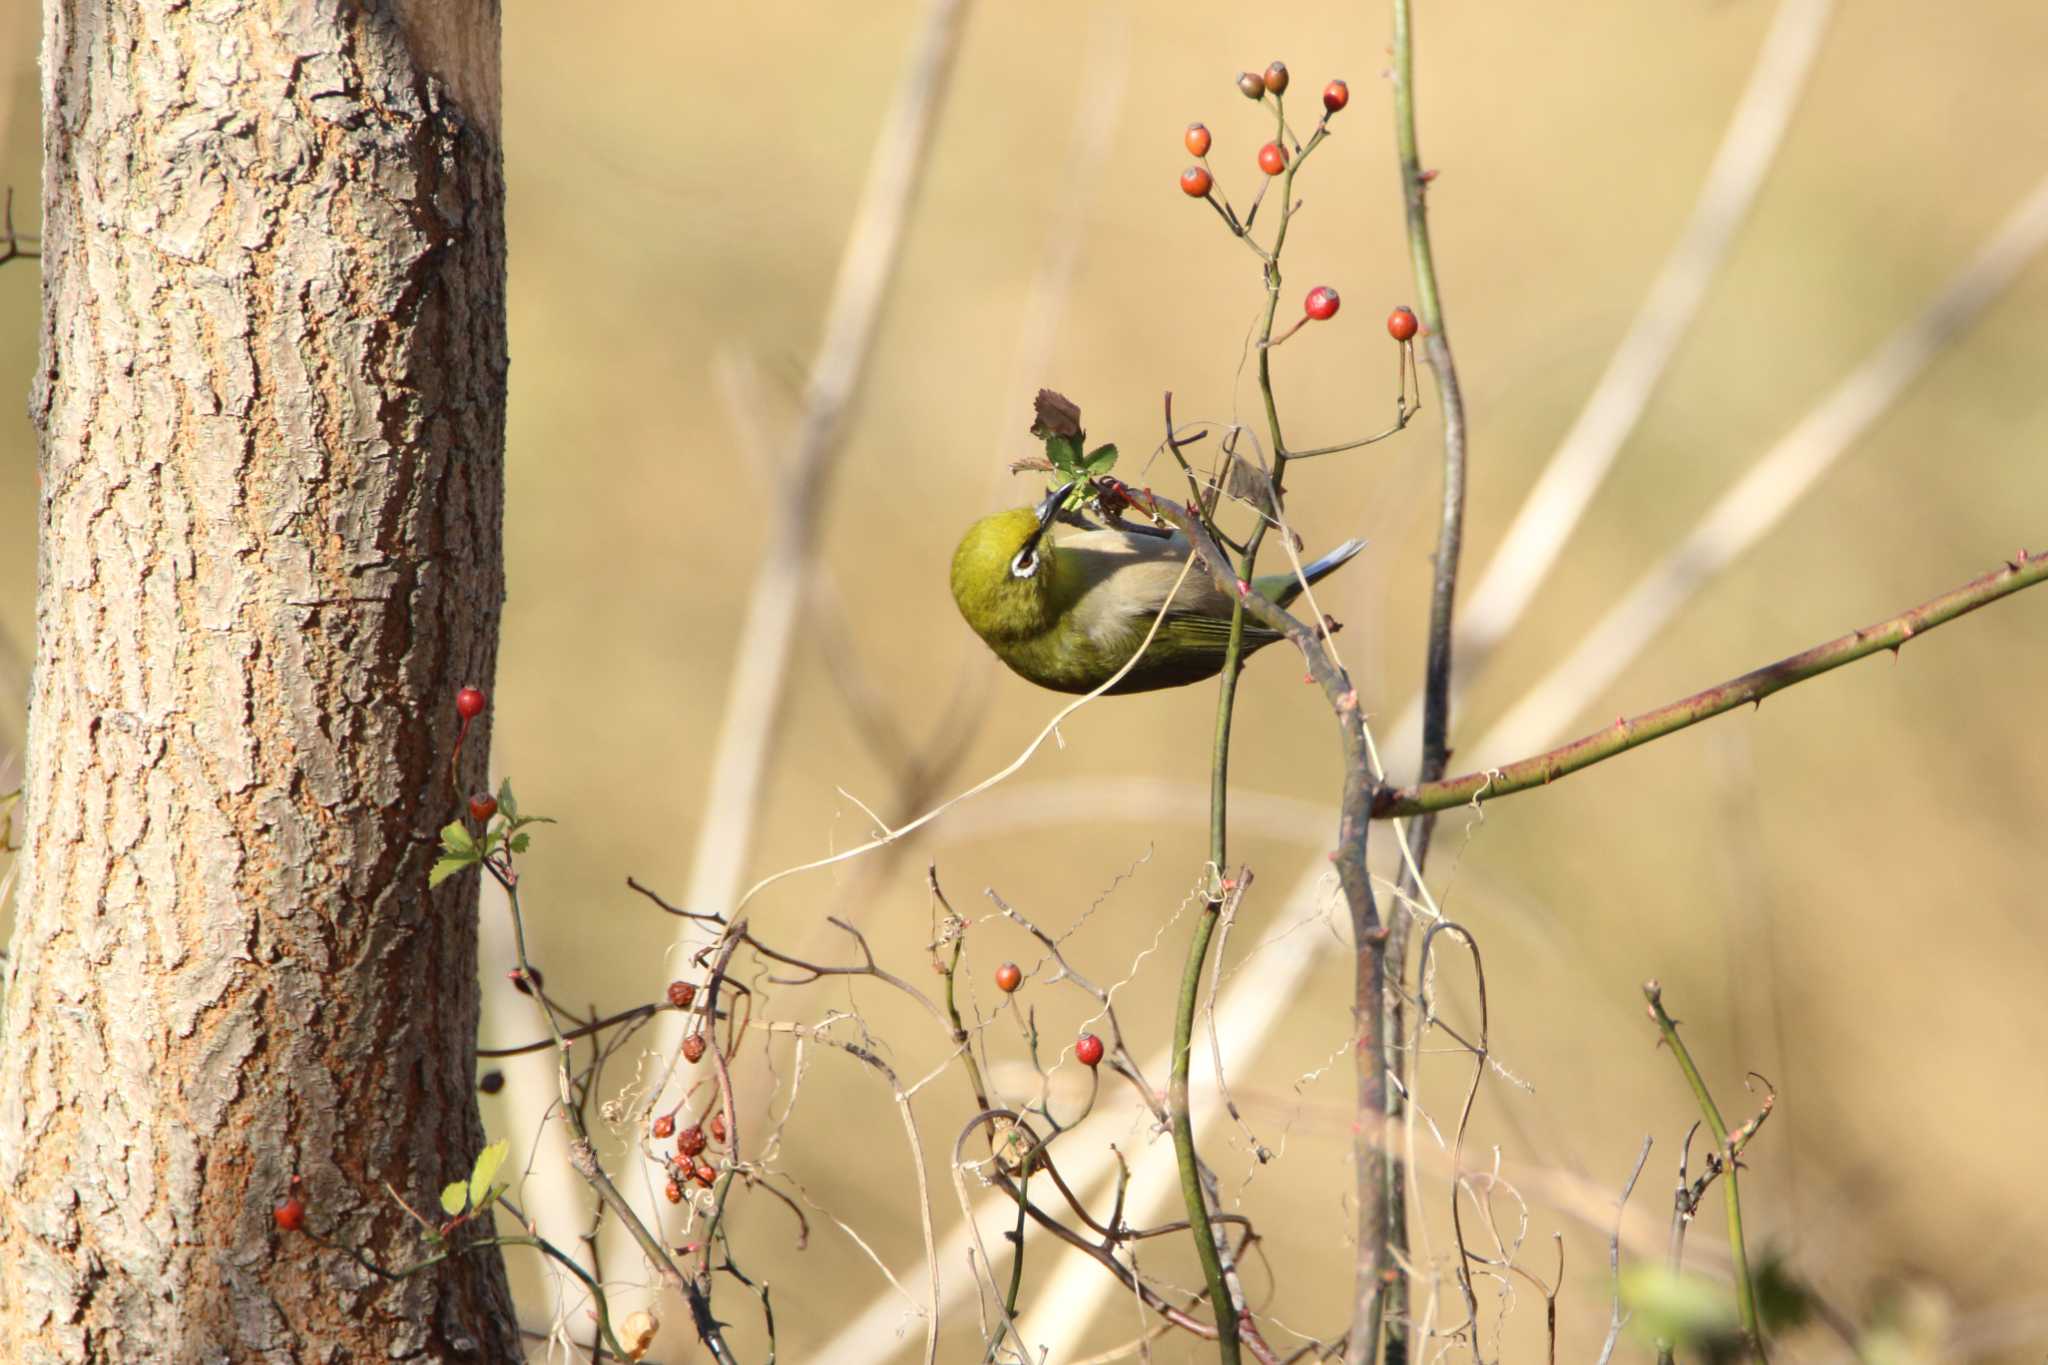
1213	1271
1436	708
2023	570
1745	1287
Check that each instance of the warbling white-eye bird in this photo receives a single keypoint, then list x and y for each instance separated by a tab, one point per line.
1066	610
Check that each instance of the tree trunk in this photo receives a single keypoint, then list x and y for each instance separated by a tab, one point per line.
272	414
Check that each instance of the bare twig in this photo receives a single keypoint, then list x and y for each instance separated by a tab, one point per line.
10	240
1479	1050
1617	1319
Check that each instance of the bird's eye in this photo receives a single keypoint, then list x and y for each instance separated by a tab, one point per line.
1026	562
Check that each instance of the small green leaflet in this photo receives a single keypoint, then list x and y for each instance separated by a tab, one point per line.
475	1193
461	849
458	850
1056	420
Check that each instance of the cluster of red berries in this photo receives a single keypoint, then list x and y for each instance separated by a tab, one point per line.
689	1163
1196	181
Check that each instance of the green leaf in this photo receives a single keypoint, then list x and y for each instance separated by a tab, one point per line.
517	843
455	1199
485	1171
1684	1309
456	839
447	868
1101	460
1064	452
505	801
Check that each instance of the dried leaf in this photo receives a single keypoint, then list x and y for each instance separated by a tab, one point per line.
1055	414
1247	481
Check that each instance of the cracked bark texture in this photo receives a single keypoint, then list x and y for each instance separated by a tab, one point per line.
272	414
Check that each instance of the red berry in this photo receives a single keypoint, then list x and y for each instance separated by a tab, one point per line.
1276	78
1009	977
1401	324
664	1126
693	1048
704	1174
718	1127
482	807
1252	85
1195	182
690	1141
1088	1049
290	1213
1272	158
1197	139
1336	95
672	1192
681	993
469	703
1321	303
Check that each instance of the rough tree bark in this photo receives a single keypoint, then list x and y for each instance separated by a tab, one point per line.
272	415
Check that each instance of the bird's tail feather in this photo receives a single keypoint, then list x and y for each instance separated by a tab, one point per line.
1333	560
1283	588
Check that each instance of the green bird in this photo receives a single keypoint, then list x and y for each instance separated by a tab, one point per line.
1067	611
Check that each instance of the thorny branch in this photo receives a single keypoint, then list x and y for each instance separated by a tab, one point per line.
2022	571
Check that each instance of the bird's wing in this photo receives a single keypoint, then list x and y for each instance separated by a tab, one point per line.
1145	569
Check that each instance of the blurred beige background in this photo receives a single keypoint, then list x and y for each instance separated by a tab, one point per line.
1842	890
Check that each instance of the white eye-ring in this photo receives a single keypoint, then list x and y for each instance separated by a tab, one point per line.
1026	562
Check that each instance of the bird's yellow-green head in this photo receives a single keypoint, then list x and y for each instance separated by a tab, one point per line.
1004	570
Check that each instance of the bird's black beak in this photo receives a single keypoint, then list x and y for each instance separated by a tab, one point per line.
1047	510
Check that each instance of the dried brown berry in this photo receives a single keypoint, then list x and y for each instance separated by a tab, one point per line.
681	994
1276	78
664	1125
690	1141
693	1048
